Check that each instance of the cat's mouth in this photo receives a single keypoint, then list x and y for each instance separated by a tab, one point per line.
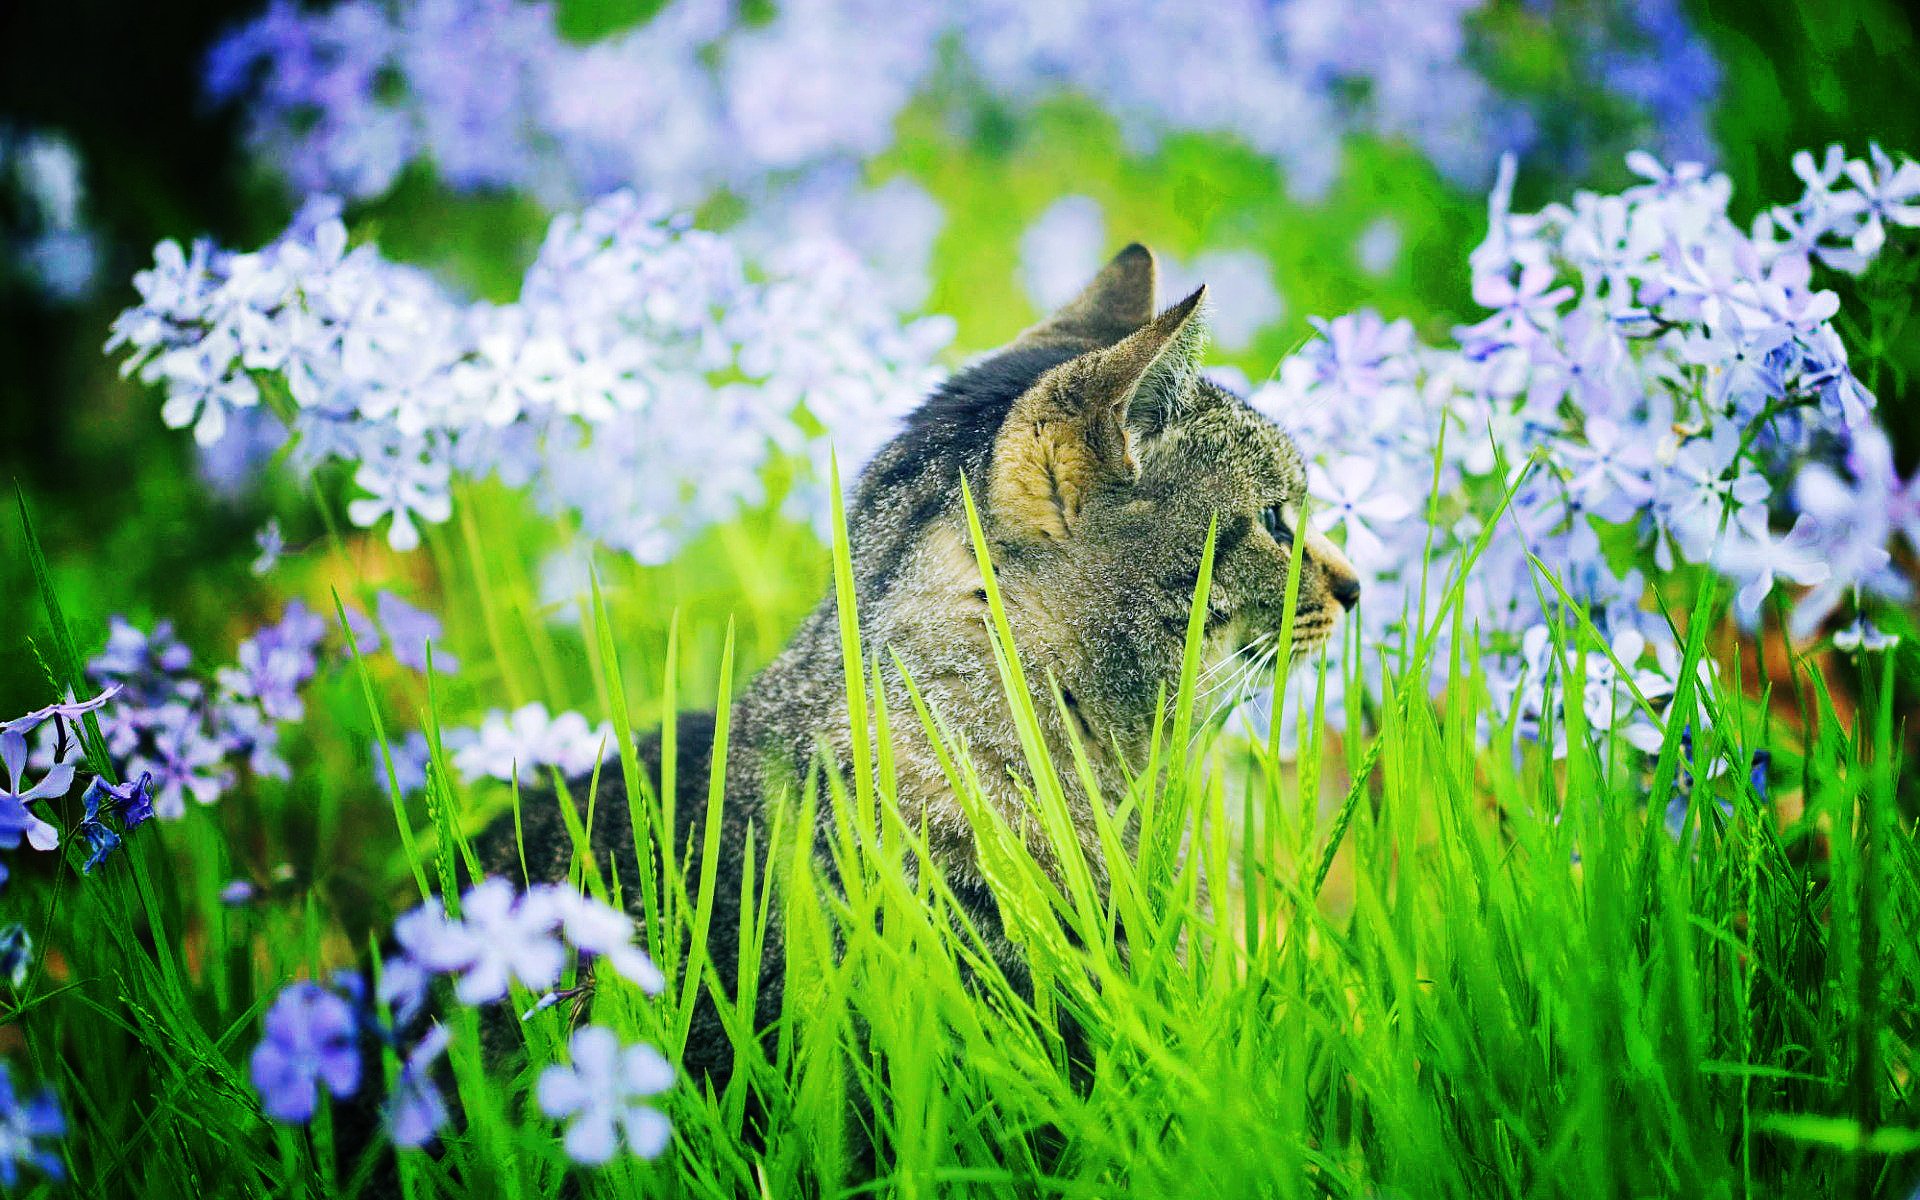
1310	632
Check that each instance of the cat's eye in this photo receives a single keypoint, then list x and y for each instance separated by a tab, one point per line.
1279	520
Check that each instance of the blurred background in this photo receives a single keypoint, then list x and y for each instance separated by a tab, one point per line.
1305	158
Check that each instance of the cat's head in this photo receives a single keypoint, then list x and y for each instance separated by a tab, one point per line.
1099	457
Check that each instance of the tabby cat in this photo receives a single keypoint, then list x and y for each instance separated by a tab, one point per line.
1100	457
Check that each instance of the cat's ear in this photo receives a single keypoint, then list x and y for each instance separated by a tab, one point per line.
1072	432
1117	302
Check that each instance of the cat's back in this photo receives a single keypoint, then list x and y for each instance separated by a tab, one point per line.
540	847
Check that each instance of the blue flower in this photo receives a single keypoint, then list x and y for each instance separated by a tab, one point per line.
138	659
99	840
501	936
16	953
311	1038
276	662
366	635
417	1111
27	1131
132	802
1758	772
410	629
600	1096
16	819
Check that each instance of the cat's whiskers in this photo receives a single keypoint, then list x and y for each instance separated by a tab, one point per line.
1246	671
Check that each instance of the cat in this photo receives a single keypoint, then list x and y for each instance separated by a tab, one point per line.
1099	457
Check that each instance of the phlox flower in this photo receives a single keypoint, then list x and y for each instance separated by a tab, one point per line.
504	936
312	1038
1611	470
410	629
1885	194
17	820
1349	495
137	659
1705	489
417	1111
131	803
1758	557
600	1096
184	761
271	544
403	485
524	742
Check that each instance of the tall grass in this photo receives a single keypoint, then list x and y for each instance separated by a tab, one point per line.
1389	964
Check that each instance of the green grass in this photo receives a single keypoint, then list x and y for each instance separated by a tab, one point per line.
1396	965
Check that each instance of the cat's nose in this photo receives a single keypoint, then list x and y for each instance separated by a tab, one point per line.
1343	582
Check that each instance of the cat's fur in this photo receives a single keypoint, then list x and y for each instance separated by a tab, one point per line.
1098	456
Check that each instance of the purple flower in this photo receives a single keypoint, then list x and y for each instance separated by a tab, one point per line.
600	1096
238	893
311	1038
186	762
605	931
1759	557
28	1131
366	635
503	936
411	756
410	629
528	739
1352	497
1612	470
132	803
138	659
16	819
69	711
242	729
417	1111
276	662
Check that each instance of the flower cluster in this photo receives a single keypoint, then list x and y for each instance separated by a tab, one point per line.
184	739
58	727
641	382
46	238
526	742
315	1035
1657	387
692	100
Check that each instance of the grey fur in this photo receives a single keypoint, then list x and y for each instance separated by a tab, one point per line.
1096	566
